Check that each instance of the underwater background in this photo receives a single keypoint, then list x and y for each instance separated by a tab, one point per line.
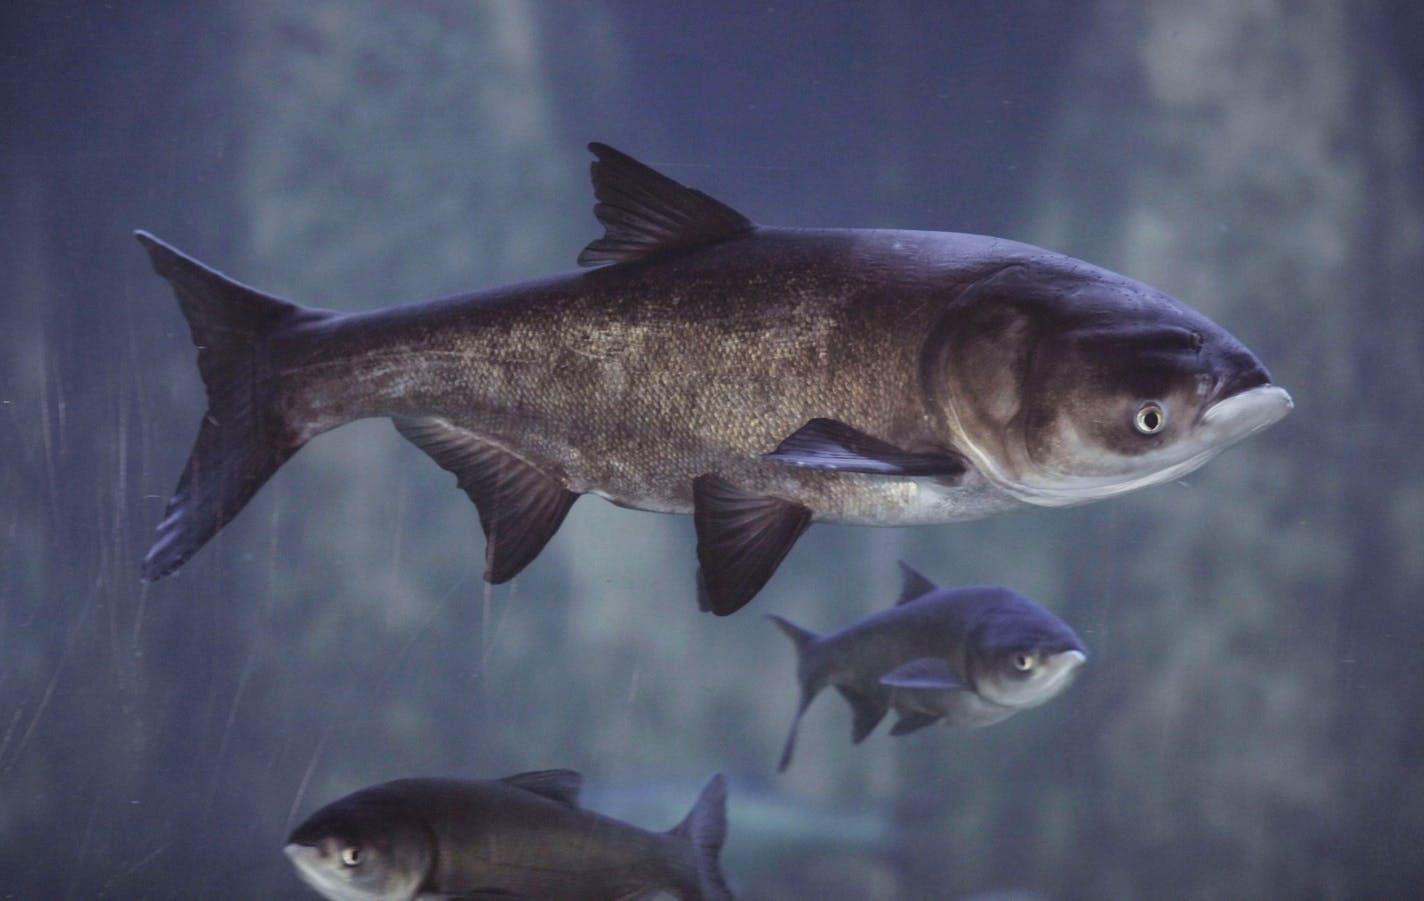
1250	723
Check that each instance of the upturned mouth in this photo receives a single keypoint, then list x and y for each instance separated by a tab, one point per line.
1060	669
1063	669
1247	412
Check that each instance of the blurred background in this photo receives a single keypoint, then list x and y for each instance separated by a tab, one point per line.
1249	724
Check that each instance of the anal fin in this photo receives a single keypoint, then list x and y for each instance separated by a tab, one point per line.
520	506
741	539
867	712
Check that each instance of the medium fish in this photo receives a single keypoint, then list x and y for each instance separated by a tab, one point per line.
970	656
523	836
758	378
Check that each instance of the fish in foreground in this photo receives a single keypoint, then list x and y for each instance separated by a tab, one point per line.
970	656
758	378
523	836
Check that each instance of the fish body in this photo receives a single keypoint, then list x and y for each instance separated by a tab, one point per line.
970	656
523	836
758	378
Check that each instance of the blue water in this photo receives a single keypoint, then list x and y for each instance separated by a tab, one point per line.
1247	724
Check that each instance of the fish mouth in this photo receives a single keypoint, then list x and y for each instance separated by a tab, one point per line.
1219	425
1246	412
1058	670
306	859
1062	669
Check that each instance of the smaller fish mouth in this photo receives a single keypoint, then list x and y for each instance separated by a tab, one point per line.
1059	671
1068	661
1067	665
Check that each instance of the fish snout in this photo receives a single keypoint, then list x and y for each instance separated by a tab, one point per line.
1072	659
1244	412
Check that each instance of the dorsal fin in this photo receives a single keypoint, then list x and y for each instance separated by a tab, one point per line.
645	213
916	584
556	785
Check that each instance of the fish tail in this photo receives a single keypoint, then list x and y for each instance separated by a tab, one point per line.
705	828
242	438
790	747
809	680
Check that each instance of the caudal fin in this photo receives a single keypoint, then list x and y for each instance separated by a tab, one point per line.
705	827
802	638
241	439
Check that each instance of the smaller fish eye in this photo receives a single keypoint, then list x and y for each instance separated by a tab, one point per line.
1023	662
351	855
1150	418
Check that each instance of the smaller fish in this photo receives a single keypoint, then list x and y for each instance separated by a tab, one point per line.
970	656
523	836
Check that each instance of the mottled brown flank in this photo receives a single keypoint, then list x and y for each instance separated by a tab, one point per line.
633	380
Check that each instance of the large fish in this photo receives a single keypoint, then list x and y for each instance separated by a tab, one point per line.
523	836
758	378
970	656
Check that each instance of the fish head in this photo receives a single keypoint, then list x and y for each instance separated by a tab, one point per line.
362	848
1018	654
1066	383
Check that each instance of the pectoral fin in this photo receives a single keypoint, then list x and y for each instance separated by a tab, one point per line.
924	673
912	722
520	507
828	444
741	539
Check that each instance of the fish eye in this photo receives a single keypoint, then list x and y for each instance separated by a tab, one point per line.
1023	662
1150	419
351	855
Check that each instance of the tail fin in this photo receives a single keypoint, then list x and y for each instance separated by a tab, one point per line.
241	440
705	827
809	687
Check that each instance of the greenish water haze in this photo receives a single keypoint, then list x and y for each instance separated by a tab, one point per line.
1248	724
